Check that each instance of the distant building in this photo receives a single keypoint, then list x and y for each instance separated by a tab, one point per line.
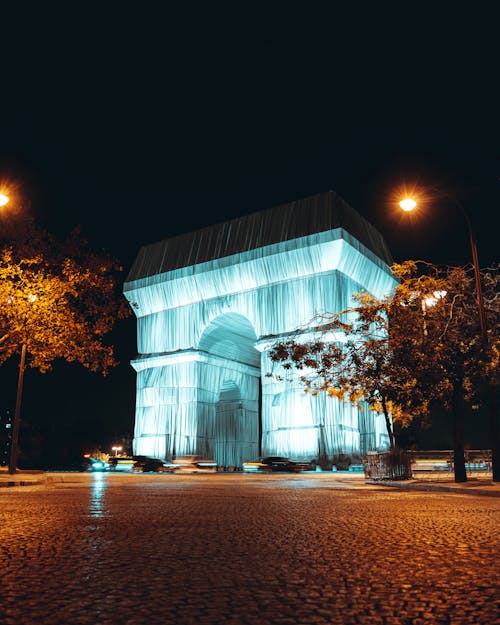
209	305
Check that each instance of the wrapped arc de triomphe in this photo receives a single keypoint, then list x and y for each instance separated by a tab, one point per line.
209	305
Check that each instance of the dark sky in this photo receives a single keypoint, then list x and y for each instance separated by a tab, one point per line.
139	125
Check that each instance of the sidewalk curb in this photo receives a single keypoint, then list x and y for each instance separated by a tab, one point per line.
22	478
436	487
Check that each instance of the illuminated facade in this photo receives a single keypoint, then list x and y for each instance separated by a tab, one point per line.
210	303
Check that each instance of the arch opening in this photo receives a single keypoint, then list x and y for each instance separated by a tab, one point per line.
231	382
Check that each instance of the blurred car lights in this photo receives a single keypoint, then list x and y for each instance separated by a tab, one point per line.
271	464
193	464
98	465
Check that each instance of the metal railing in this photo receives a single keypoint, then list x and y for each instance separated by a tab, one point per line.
387	465
400	464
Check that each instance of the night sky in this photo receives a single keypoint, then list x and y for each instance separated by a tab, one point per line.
140	125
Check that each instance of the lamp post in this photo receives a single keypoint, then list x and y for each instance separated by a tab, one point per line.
14	443
408	204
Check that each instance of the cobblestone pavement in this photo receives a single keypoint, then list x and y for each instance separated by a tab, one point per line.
240	549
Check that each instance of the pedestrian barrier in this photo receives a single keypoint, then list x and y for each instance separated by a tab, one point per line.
388	465
406	464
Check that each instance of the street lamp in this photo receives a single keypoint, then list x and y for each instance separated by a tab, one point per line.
116	450
408	204
6	195
11	195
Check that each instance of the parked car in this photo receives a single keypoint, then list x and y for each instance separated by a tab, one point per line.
147	464
275	464
193	464
167	467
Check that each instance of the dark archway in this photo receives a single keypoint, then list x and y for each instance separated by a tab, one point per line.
230	422
233	372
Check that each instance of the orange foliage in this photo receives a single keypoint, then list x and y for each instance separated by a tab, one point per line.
59	299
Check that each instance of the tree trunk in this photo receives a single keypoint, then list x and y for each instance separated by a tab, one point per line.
495	434
388	424
458	432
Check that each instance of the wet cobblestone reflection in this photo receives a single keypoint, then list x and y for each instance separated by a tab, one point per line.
96	506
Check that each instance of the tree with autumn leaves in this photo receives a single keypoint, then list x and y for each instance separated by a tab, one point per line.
419	346
58	301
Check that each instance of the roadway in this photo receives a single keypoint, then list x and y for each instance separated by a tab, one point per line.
233	549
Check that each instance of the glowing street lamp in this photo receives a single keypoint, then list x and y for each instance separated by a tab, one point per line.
408	204
116	449
12	200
